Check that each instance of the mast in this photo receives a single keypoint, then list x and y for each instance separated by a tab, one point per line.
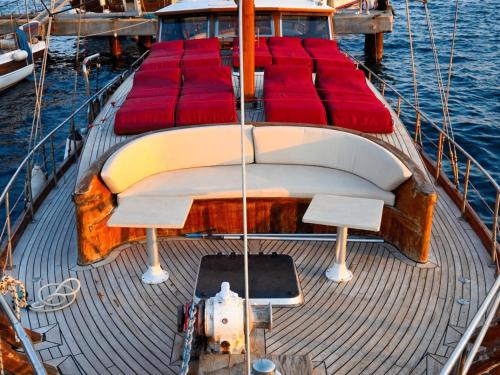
248	50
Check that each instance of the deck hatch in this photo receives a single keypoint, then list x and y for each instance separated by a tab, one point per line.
273	278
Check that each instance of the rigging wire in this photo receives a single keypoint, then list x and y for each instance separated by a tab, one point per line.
447	124
244	191
418	136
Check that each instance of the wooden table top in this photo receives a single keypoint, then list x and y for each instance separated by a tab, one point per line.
151	212
334	210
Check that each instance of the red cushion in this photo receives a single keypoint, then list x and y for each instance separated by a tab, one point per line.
284	41
145	114
166	53
290	96
320	43
170	45
260	41
161	63
263	57
149	83
200	58
158	79
147	92
295	108
288	56
206	108
201	80
290	76
345	80
333	61
204	44
365	116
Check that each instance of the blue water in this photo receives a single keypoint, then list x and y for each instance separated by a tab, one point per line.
474	97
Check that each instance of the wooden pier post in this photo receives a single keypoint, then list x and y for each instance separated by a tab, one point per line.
145	41
374	43
374	47
115	46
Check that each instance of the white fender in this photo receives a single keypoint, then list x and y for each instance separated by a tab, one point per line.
19	55
37	180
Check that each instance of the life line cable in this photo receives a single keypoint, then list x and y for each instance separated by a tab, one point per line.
63	296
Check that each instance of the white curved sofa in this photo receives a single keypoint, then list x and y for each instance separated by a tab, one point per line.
283	161
286	167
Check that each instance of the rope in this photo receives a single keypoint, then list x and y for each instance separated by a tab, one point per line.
63	296
14	287
413	69
447	124
39	92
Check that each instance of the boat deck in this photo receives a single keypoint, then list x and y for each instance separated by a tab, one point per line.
394	316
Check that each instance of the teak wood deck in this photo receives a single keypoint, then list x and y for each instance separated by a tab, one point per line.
394	316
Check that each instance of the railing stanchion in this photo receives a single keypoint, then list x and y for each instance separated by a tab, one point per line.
28	187
466	185
494	228
9	232
439	155
52	153
382	89
417	127
398	110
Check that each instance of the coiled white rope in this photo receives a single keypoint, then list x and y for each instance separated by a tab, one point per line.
63	296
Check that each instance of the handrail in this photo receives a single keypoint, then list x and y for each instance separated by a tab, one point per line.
442	138
86	71
25	340
55	130
492	300
432	123
4	199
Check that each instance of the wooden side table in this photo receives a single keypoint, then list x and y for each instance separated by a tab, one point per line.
152	213
344	213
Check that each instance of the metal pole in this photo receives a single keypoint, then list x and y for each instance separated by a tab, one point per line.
455	356
53	160
439	155
494	229
244	191
25	340
480	337
466	185
9	234
30	193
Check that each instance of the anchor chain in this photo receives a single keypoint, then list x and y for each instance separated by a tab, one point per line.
188	340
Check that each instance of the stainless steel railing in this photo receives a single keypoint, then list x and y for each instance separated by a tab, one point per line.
491	302
24	338
455	363
429	136
51	163
54	165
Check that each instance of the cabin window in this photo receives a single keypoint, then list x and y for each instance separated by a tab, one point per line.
305	26
226	26
264	25
183	28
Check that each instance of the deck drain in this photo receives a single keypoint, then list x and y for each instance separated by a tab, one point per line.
463	301
464	280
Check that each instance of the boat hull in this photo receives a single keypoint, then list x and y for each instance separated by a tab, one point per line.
8	79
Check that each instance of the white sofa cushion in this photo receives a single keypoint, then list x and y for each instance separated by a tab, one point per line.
173	150
329	148
263	180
